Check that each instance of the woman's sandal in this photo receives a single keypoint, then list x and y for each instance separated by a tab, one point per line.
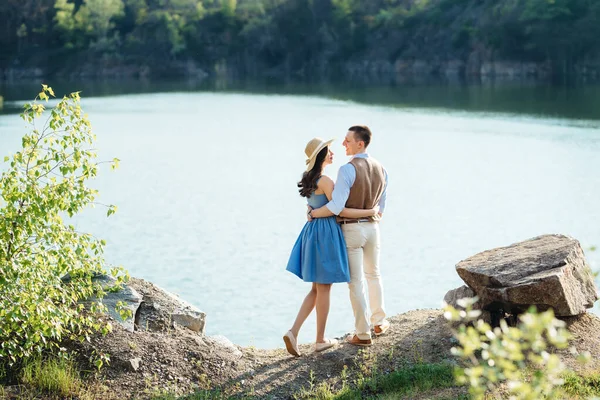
291	344
329	343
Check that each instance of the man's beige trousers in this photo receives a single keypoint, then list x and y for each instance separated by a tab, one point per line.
363	245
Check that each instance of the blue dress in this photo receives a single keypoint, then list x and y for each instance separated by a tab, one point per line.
319	254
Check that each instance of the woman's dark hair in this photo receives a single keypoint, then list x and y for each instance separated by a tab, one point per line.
308	183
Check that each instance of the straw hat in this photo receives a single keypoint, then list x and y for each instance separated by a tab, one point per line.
312	149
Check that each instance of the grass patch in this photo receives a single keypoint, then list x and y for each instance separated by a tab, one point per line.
55	376
584	386
410	380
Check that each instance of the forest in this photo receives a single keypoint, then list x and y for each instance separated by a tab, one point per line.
293	38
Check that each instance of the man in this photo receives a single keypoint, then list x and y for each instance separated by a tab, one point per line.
361	183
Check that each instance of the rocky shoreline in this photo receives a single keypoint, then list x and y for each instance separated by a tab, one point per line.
475	67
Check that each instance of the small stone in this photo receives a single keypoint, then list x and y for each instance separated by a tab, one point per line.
134	364
453	296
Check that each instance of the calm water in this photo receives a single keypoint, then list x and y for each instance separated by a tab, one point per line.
208	206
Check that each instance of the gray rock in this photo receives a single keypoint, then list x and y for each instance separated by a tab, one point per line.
452	297
150	317
134	364
187	315
189	318
223	343
162	311
127	295
547	271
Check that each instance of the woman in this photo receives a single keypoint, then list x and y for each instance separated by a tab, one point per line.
319	255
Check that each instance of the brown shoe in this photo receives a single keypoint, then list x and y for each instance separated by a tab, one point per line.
356	341
381	329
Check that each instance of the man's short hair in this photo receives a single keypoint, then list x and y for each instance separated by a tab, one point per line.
361	132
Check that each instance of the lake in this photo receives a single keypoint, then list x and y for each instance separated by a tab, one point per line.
208	206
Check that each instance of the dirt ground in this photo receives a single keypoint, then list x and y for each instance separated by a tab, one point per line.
585	329
179	361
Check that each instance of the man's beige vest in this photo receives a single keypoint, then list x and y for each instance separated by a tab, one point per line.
368	186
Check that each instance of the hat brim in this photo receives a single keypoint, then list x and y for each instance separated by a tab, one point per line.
312	161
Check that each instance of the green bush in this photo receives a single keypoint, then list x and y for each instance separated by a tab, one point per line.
516	358
45	185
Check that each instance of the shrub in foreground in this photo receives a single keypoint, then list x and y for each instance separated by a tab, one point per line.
44	185
514	359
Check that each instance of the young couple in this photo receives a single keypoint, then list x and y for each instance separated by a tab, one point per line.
340	241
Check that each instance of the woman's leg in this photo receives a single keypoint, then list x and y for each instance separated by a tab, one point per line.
305	309
323	292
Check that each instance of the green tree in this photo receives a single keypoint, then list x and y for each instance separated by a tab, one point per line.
94	19
46	265
97	17
228	8
65	23
25	25
161	31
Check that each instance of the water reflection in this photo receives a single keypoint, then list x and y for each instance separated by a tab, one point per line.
574	101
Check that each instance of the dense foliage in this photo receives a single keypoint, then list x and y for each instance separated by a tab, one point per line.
287	37
519	360
46	265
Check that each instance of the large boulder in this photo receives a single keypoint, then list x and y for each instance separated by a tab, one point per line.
161	310
547	271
